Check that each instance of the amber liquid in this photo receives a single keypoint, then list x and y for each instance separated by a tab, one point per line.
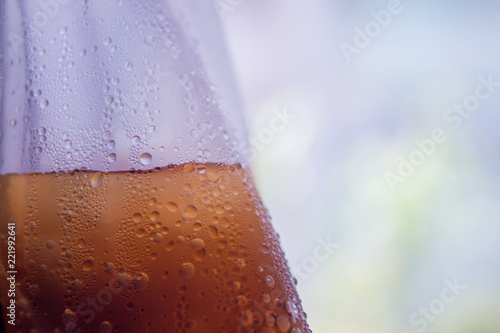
188	248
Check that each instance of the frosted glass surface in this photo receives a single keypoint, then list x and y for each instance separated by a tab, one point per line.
115	85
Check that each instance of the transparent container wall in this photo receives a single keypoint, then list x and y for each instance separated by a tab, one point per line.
115	85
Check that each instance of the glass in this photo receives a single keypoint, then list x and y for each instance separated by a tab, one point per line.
125	203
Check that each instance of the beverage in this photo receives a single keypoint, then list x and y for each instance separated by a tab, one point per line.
186	248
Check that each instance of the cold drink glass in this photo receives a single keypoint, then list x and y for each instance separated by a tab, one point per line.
126	202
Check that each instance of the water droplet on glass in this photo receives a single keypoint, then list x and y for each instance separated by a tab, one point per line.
81	243
140	281
194	133
214	177
191	211
112	157
97	179
153	216
283	323
136	139
136	217
171	206
213	231
146	158
107	41
240	262
197	244
170	245
124	280
186	270
143	105
44	103
157	238
105	327
87	265
108	99
140	232
269	280
12	122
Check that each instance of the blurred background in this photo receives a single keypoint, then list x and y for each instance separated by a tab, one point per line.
382	234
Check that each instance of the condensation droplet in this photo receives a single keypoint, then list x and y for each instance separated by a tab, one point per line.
170	245
81	243
197	244
97	179
283	323
186	270
191	211
136	139
240	263
146	158
12	122
153	216
140	281
269	280
112	157
157	238
199	251
124	280
214	176
108	99
140	232
105	327
171	206
87	265
44	103
212	230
